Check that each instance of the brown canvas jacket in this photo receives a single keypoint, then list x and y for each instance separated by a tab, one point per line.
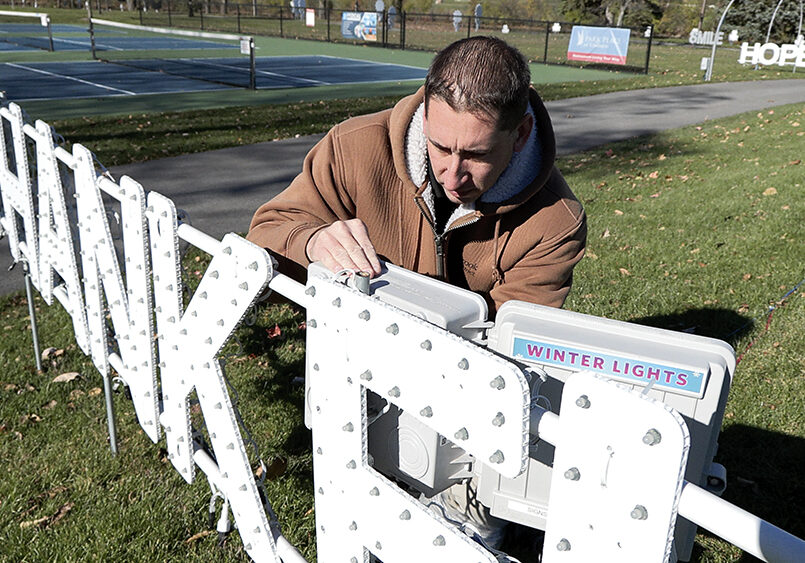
524	248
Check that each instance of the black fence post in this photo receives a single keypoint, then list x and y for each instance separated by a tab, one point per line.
238	7
141	13
281	10
648	49
547	36
385	31
402	32
201	18
170	21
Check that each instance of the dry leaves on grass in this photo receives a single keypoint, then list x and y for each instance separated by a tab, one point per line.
66	377
48	521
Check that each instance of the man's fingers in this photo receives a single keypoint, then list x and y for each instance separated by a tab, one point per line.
345	245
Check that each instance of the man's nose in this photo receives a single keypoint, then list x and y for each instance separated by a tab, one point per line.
454	175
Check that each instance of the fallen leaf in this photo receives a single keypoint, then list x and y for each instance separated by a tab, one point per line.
747	277
662	157
770	191
51	405
618	212
624	271
654	174
200	535
795	162
276	467
66	377
605	234
76	393
95	391
274	332
47	352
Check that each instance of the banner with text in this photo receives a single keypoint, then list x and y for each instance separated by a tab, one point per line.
598	44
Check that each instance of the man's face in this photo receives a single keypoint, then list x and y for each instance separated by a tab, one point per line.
467	153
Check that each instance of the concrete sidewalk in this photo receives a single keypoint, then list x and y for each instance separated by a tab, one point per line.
220	190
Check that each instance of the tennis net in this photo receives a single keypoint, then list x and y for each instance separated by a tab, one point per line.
19	29
220	58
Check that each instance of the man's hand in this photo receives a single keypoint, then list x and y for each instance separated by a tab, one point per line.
344	245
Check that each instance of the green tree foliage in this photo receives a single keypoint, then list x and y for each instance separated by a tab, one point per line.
751	19
677	20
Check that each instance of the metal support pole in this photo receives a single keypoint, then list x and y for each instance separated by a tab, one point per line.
709	74
110	413
252	69
648	49
92	31
32	314
50	36
547	38
469	26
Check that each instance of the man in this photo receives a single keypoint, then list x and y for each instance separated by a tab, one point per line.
456	181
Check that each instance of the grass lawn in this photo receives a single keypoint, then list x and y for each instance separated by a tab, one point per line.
697	229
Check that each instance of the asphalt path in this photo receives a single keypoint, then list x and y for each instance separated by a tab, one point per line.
220	190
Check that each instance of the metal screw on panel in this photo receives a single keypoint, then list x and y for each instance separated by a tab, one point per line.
378	545
426	412
639	512
374	492
311	291
496	457
393	329
348	427
315	367
364	315
394	392
583	402
652	437
463	364
439	541
499	419
353	526
367	375
462	434
353	560
573	474
498	383
312	323
337	302
426	345
351	464
563	545
405	515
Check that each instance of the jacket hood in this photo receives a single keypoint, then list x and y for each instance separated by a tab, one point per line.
401	116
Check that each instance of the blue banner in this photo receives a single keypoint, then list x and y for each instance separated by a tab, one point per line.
598	44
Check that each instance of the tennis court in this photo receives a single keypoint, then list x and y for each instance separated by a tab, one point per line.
79	79
135	60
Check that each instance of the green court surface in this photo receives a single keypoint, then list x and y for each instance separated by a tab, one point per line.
271	46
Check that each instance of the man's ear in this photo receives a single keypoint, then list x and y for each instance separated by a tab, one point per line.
523	131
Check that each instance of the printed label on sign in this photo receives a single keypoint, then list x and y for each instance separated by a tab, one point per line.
682	380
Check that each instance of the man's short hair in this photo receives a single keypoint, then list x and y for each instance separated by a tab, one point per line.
484	76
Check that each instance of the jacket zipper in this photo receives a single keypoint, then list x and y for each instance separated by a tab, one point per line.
439	239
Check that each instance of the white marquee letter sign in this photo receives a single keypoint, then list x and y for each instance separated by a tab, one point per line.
57	253
189	342
477	399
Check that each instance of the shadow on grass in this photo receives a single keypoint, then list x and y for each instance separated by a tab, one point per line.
765	478
724	324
